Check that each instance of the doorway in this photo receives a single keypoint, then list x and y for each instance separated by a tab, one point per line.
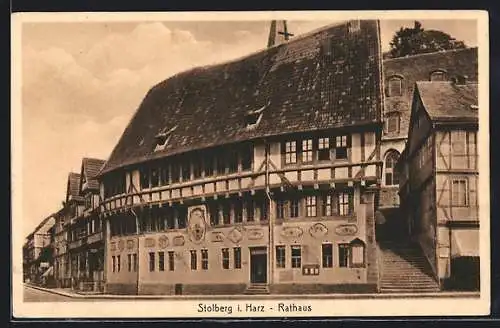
258	265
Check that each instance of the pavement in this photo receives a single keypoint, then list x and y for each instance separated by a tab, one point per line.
40	294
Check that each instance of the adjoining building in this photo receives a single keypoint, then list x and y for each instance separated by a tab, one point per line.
86	238
439	186
400	76
252	176
38	252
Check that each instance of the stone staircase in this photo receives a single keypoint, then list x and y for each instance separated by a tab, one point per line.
404	269
257	289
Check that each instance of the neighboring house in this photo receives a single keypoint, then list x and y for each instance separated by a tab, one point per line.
38	251
439	171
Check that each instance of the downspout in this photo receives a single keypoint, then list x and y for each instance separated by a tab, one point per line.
270	217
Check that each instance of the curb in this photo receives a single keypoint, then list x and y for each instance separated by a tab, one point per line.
262	297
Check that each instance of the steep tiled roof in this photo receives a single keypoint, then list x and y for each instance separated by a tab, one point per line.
462	62
325	79
73	186
90	169
447	100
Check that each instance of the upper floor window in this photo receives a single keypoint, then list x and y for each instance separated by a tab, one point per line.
324	149
438	75
290	152
232	160
307	150
395	86
344	203
459	192
392	123
341	145
311	206
246	158
294	207
391	178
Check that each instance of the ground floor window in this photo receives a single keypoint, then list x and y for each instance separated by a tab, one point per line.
119	262
344	255
135	262
225	258
237	257
296	256
204	259
129	262
327	255
171	262
114	263
280	256
194	261
151	261
161	261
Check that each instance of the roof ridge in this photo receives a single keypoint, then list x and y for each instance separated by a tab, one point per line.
431	53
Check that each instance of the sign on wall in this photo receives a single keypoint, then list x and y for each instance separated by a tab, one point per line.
346	229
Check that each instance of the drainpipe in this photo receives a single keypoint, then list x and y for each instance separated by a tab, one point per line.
270	218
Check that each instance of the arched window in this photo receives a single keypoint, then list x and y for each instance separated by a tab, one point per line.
395	86
438	75
391	177
392	121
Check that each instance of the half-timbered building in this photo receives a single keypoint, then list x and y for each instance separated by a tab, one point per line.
254	175
439	186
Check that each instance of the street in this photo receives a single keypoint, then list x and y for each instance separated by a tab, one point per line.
35	295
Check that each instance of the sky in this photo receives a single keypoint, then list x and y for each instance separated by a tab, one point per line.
82	82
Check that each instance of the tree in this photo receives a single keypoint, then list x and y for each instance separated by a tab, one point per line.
416	40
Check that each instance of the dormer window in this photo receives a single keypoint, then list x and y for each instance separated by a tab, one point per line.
163	137
438	75
253	117
354	26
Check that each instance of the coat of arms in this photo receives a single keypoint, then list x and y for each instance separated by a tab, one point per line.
197	224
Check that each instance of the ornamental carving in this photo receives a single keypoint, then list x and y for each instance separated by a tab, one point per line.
255	234
318	230
112	246
291	232
197	224
163	242
130	244
217	236
121	245
178	241
346	229
149	242
235	235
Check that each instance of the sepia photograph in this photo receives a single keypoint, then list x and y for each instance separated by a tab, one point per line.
250	164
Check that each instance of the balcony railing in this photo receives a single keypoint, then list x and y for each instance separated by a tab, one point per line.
75	244
94	238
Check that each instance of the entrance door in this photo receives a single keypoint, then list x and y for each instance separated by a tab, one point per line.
258	265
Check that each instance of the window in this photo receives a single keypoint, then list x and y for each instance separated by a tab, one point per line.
145	178
213	209
341	147
280	256
209	166
263	210
237	257
327	254
459	192
344	255
296	256
438	75
395	86
176	172
221	165
238	211
171	261
327	205
129	262
194	260
345	203
294	207
114	263
151	261
324	149
307	151
204	259
391	178
134	257
246	158
181	213
250	210
161	261
118	262
226	213
357	253
392	123
310	206
164	175
155	178
186	170
197	168
232	161
280	209
225	258
290	152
